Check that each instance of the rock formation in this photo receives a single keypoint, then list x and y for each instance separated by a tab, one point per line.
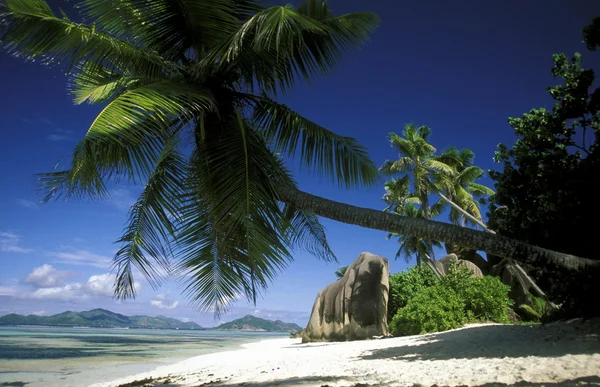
355	306
443	265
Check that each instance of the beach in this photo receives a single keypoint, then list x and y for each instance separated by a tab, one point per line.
73	357
563	353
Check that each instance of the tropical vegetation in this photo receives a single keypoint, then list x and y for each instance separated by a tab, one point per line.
543	193
450	176
189	92
450	302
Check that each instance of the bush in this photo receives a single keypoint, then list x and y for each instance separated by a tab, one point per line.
435	309
406	285
486	298
456	299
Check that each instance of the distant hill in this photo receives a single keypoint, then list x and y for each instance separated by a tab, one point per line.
98	318
251	323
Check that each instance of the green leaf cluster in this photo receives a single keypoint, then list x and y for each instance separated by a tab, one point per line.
544	185
188	91
456	299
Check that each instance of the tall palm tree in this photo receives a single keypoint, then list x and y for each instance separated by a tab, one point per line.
188	89
404	203
416	161
460	187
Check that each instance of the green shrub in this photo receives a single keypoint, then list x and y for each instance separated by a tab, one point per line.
456	299
434	309
405	285
486	298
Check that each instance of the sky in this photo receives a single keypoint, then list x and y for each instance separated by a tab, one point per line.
462	68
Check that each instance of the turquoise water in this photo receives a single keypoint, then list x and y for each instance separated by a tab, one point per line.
49	356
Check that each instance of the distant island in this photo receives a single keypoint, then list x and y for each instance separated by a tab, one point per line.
251	323
102	318
98	318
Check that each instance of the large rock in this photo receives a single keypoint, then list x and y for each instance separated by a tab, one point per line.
355	306
468	254
443	265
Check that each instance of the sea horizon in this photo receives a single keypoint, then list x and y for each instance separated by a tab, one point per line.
79	356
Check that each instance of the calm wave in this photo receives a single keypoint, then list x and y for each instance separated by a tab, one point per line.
49	356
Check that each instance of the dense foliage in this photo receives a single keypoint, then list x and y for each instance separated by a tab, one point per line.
423	183
407	284
543	193
451	302
189	91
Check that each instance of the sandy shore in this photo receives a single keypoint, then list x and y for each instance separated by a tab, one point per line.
491	354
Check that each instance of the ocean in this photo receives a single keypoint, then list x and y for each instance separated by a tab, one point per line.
50	356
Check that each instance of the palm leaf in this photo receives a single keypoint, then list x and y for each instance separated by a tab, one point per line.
338	157
32	31
280	45
150	227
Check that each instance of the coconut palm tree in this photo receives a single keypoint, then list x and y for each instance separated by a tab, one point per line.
188	90
404	203
460	187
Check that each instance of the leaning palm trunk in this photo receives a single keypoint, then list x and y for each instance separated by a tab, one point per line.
465	213
423	228
522	274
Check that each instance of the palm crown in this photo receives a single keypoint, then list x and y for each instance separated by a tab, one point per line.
451	175
189	89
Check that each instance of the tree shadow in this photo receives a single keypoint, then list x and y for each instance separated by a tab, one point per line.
495	341
326	381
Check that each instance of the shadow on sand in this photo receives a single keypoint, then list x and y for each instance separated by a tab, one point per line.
495	341
327	381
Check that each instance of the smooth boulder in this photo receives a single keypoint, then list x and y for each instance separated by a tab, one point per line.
443	265
355	306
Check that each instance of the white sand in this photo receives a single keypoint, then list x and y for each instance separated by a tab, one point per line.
565	353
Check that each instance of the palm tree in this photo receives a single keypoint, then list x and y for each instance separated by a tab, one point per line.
404	203
461	188
188	89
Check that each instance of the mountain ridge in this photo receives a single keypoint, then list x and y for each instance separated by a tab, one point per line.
99	318
102	318
256	324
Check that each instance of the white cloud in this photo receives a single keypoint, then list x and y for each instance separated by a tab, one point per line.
8	291
101	284
28	204
9	243
164	301
70	292
104	285
185	319
121	198
39	312
82	257
46	276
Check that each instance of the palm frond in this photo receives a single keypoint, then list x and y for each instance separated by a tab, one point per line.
280	45
150	227
435	165
480	189
335	156
31	30
404	146
469	174
308	233
170	27
233	222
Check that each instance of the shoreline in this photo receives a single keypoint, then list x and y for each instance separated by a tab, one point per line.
564	353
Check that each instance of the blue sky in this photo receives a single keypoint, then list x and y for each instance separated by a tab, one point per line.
461	68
